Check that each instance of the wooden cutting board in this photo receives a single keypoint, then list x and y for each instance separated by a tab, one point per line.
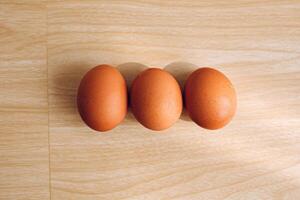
46	152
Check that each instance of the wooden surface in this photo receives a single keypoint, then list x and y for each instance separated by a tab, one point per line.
24	155
46	152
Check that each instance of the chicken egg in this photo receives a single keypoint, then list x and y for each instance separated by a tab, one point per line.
156	99
210	98
102	98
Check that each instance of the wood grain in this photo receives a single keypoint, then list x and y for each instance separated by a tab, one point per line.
24	163
255	43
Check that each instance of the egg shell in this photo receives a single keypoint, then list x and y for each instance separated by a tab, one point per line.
210	98
102	98
156	99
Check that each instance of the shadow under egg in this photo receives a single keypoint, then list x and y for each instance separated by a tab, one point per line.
130	70
181	71
64	85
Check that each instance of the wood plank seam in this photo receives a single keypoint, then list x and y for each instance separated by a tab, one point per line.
49	147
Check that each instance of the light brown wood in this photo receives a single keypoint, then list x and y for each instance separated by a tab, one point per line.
24	155
255	43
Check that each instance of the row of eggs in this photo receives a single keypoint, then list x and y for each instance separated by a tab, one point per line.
155	98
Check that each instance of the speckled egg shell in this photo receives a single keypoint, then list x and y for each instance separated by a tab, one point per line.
156	99
210	98
102	98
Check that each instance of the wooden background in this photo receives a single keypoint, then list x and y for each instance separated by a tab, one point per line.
46	152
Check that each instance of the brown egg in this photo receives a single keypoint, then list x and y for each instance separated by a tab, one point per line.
210	98
102	98
156	99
